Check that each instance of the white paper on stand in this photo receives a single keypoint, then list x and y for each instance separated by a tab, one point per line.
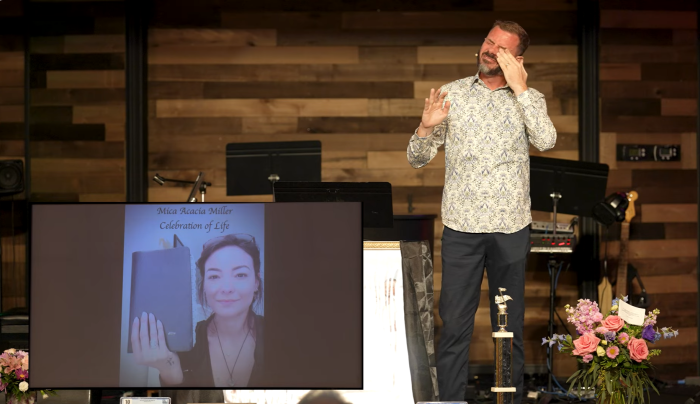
632	315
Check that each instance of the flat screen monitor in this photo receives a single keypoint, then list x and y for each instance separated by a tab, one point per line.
581	184
198	296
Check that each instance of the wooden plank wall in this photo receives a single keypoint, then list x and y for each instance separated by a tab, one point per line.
228	72
77	101
12	232
649	95
77	114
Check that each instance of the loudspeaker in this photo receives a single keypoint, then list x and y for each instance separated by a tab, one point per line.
11	177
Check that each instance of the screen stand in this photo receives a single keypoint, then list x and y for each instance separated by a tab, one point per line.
95	396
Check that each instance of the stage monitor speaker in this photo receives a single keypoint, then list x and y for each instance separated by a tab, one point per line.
11	177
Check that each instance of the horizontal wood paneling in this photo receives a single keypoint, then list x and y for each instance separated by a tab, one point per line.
647	54
261	107
343	72
534	54
679	107
85	79
211	37
94	44
304	90
11	60
646	89
649	92
656	19
177	54
670	213
454	20
414	36
658	249
77	56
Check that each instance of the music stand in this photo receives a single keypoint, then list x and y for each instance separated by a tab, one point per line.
377	209
198	186
565	186
253	168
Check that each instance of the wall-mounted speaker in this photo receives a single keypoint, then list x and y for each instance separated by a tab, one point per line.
11	177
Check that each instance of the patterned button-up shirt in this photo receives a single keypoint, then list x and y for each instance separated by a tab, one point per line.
487	162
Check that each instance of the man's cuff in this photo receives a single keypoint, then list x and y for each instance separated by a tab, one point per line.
415	136
524	98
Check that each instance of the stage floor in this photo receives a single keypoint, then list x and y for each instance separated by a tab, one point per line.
670	394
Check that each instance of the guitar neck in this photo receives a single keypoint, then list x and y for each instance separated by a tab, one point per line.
621	283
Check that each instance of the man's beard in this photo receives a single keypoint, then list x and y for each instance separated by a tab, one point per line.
488	71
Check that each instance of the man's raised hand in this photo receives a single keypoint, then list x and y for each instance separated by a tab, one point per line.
435	111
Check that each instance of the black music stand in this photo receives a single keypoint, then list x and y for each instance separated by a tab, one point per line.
564	186
253	168
377	209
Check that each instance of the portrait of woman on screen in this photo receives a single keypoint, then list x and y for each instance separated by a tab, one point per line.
228	351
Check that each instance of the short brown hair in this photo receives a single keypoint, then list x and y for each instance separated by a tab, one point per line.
515	28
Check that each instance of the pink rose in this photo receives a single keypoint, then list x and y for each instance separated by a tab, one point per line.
613	323
587	358
586	344
638	349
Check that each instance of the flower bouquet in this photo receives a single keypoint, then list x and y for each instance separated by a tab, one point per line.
615	353
14	378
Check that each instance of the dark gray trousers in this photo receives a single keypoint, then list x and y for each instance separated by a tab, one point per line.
464	256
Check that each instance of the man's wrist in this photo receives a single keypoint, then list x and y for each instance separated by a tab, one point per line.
519	89
424	131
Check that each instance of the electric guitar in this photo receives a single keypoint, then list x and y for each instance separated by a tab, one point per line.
621	282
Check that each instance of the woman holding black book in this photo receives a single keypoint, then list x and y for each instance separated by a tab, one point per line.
228	349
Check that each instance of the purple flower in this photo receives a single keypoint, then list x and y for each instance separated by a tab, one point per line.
668	332
21	374
610	336
648	333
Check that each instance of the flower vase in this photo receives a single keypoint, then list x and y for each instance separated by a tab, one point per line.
22	399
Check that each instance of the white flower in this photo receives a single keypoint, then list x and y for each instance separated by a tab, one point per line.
600	351
23	386
10	351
